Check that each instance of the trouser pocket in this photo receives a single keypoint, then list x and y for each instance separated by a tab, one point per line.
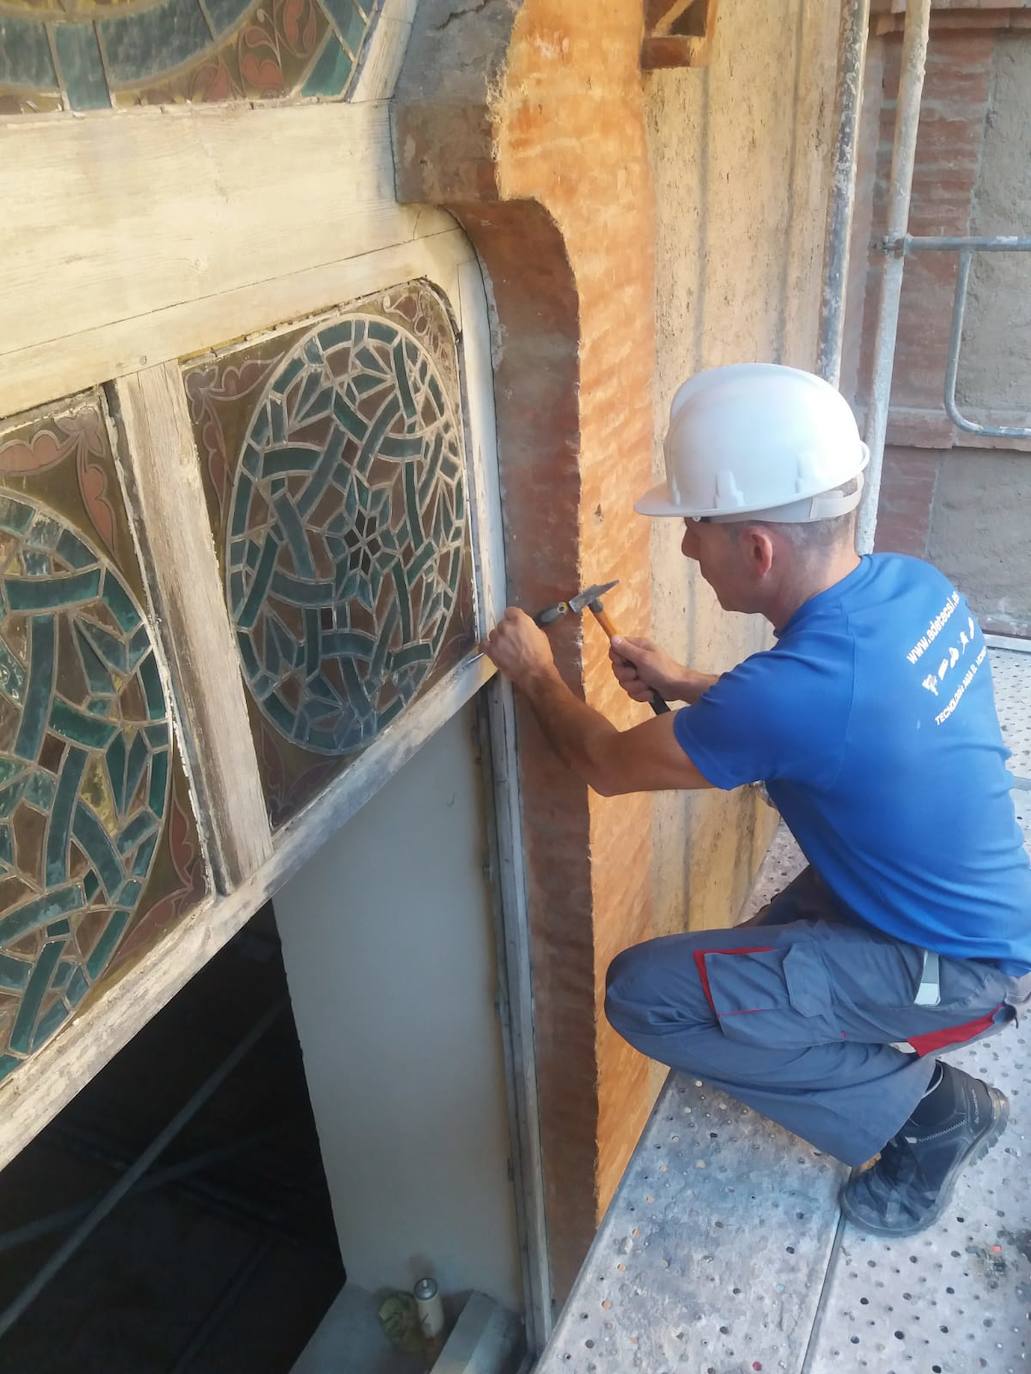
772	998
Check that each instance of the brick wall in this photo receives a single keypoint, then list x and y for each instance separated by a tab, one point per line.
941	495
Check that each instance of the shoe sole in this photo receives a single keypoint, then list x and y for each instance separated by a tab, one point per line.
979	1147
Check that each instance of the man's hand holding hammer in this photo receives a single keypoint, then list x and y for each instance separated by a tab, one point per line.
645	758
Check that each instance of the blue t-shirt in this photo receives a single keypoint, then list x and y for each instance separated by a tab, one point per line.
872	723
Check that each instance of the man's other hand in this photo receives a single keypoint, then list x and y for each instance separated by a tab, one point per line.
640	667
519	647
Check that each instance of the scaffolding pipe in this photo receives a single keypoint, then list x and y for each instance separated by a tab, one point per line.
848	101
903	157
114	1195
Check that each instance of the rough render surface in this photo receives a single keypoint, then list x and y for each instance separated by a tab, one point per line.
978	534
997	327
526	121
739	236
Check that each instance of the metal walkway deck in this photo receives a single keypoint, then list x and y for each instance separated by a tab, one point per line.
724	1251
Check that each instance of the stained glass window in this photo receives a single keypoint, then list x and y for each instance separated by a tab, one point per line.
95	54
98	850
334	469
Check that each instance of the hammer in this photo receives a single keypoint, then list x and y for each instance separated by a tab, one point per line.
590	599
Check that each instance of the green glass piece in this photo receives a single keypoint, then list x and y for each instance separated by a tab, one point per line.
91	642
38	689
94	840
288	458
293	370
10	796
225	13
262	577
279	713
293	533
353	643
323	474
114	758
299	593
59	828
411	653
74	551
15	516
90	885
8	1063
12	674
25	55
81	726
152	689
39	790
140	825
78	986
250	658
158	782
14	973
55	1018
105	946
36	563
336	334
22	1037
53	593
149	42
237	592
79	59
378	330
348	418
241	505
312	641
130	892
135	764
331	72
141	863
119	603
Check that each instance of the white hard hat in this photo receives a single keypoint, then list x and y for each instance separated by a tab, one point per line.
757	440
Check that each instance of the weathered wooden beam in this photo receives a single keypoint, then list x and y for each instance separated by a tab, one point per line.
661	15
162	472
664	49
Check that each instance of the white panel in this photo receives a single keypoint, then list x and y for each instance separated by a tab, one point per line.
390	957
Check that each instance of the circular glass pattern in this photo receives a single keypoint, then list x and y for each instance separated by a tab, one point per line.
85	742
346	533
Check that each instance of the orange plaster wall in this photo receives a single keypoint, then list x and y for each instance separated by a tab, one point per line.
571	134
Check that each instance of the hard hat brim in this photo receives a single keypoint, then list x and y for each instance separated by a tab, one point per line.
658	501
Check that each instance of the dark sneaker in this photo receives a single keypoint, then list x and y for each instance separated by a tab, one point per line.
910	1185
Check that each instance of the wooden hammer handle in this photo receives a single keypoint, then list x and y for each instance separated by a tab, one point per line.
658	703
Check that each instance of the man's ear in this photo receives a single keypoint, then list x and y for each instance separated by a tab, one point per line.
759	549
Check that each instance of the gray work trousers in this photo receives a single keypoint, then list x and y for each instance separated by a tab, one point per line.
799	1013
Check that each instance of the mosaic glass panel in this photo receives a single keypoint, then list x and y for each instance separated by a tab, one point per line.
99	54
333	466
99	854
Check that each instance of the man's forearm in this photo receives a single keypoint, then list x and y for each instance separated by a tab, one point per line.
693	686
575	730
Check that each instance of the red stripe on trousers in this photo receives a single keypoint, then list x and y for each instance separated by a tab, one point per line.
703	972
952	1035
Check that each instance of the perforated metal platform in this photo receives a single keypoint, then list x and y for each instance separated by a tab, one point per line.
724	1251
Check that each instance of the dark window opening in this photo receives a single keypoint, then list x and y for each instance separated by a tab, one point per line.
223	1258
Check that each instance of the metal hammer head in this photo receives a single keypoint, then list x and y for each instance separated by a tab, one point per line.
589	594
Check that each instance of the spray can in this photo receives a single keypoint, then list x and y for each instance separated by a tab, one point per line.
431	1316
